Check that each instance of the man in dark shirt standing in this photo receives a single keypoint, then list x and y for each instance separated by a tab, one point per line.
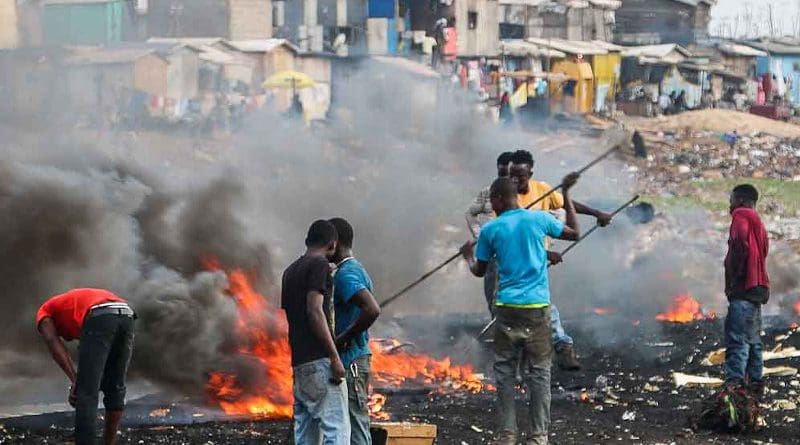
747	288
320	394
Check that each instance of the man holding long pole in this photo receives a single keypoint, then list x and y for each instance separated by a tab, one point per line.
529	190
516	239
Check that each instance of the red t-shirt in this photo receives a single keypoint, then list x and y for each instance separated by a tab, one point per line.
748	247
69	309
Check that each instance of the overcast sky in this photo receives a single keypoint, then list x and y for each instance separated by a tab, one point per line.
786	17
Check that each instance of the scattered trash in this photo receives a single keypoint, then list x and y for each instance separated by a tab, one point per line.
629	416
650	388
476	429
783	405
681	379
717	357
780	371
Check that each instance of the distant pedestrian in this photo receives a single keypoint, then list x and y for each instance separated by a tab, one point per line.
639	147
506	116
664	103
680	102
747	289
103	323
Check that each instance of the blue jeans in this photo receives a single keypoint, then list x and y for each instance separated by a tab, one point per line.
743	362
560	336
320	407
357	387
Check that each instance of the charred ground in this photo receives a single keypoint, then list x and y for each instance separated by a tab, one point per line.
628	378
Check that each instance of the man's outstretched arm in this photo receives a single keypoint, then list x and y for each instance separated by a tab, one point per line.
603	218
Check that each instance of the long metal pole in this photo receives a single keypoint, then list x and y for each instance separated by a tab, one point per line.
570	247
424	277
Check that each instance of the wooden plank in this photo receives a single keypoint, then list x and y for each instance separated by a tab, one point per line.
402	433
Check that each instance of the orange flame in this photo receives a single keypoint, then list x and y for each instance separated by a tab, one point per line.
684	309
391	365
375	406
797	307
604	310
262	334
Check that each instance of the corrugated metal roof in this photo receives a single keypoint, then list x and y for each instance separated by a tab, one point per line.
106	56
260	46
697	2
608	46
78	2
208	52
776	46
737	49
609	4
186	40
220	57
571	46
521	48
655	50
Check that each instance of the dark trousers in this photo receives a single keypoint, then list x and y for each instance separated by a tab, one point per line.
523	341
490	284
104	352
743	347
358	399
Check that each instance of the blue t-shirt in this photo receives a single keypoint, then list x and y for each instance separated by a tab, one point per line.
516	238
350	278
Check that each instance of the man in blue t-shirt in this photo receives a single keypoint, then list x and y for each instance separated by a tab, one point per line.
355	310
516	239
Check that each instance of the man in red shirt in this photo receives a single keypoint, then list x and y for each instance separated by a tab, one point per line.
104	324
747	288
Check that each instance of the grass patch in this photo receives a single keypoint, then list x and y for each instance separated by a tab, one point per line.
780	197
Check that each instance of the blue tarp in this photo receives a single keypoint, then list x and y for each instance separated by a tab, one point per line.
381	8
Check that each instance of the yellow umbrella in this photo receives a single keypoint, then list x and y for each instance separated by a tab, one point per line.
289	79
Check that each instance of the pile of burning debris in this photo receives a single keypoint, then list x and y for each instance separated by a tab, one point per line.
643	380
671	158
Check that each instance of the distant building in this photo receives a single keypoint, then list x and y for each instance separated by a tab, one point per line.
9	32
344	27
782	64
229	19
583	20
85	22
653	22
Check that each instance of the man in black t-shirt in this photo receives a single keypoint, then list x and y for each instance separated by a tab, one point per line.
320	394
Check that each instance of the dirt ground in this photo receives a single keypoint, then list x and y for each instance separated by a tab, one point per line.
718	121
639	405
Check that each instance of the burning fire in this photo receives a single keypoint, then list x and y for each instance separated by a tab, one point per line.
392	366
604	310
684	309
262	335
797	307
375	406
